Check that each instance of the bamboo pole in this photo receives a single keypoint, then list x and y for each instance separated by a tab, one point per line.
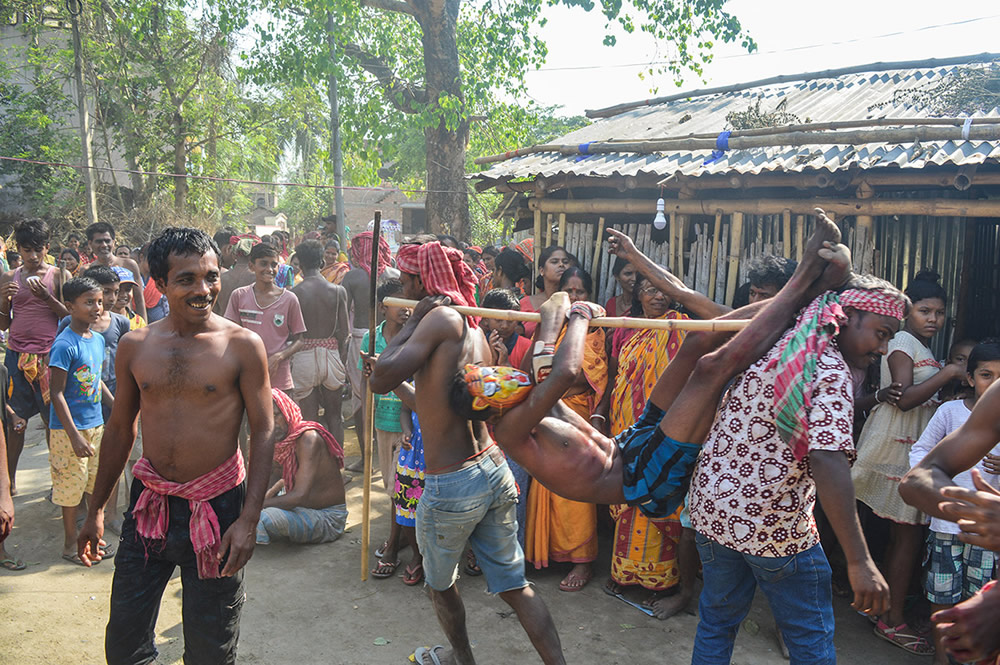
368	443
562	229
597	250
715	256
843	207
537	247
712	325
786	230
735	248
548	230
800	227
924	133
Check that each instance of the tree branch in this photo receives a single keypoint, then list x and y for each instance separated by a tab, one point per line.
394	86
398	6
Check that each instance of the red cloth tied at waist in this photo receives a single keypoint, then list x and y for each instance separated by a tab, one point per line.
442	270
361	252
284	450
320	343
151	511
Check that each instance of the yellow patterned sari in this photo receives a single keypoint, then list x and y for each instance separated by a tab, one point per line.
645	550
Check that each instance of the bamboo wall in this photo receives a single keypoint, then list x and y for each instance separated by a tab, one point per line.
717	251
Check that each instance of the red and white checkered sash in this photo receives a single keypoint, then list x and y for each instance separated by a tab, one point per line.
151	510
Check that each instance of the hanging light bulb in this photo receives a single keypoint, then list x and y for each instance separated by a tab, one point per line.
659	222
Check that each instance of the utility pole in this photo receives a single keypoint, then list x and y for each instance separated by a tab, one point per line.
338	158
89	174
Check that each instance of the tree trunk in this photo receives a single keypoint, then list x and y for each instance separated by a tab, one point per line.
180	164
447	200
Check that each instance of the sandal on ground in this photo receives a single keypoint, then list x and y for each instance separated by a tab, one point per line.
574	582
13	564
413	576
472	568
385	569
425	656
75	558
904	638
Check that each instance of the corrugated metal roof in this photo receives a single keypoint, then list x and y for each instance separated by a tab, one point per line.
847	97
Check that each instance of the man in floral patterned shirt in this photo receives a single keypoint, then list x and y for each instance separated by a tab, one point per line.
782	435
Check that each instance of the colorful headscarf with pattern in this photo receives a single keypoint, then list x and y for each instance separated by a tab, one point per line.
817	325
499	387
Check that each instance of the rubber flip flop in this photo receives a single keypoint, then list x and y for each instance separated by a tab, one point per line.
13	564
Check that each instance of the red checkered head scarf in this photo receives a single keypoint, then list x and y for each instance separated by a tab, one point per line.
817	325
361	252
443	271
284	450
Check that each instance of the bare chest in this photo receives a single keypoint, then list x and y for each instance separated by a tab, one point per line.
180	370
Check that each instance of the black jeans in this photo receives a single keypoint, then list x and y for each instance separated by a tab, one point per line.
211	608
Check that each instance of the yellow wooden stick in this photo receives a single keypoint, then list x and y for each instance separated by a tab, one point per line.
712	325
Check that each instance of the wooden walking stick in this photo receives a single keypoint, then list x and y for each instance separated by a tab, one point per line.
369	405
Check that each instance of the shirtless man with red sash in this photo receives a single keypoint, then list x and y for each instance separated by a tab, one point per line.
192	504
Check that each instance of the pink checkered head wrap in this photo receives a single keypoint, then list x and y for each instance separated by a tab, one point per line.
443	271
817	325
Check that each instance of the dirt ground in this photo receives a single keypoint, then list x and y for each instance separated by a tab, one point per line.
306	605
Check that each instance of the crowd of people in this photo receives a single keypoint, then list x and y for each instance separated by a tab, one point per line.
734	458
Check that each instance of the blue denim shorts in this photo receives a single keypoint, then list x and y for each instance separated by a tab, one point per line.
475	505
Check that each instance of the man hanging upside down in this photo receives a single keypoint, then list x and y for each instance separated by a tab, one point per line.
649	464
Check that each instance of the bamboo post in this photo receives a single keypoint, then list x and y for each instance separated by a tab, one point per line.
713	325
800	226
786	230
597	251
864	225
537	248
715	256
562	229
548	230
735	247
368	443
673	243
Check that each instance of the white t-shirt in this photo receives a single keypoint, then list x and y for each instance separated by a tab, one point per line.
948	418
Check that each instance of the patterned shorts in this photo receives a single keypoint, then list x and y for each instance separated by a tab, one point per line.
955	570
72	475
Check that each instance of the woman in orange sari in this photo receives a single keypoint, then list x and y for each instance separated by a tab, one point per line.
333	268
645	550
559	529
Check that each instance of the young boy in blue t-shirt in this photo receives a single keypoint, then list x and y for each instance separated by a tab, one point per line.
76	390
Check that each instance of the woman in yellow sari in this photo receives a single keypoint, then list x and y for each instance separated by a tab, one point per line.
645	550
559	529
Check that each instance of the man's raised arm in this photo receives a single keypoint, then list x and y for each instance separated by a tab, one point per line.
116	444
430	324
957	452
699	304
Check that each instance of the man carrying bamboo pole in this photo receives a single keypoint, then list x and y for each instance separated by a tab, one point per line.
469	492
648	464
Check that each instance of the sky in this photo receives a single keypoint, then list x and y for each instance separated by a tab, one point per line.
793	36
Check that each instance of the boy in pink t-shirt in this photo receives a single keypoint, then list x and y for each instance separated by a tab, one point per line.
270	311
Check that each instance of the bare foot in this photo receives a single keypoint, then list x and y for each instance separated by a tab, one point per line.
838	267
812	265
612	588
665	606
557	306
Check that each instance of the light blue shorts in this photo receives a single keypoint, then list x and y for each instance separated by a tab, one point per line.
476	504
